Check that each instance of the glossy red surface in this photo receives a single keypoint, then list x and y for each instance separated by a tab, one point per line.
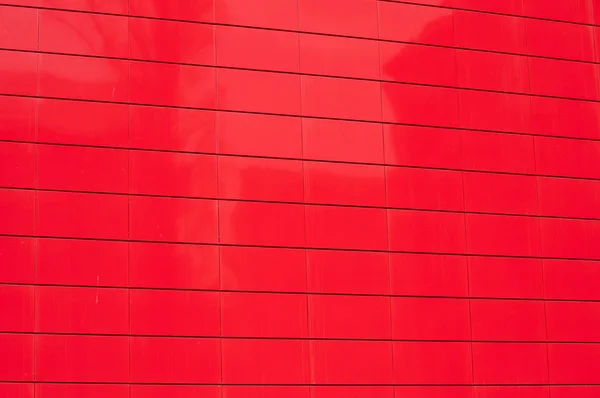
299	198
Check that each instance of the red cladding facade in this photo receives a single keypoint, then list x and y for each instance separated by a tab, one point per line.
299	198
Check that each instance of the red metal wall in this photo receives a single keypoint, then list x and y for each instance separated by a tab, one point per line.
299	199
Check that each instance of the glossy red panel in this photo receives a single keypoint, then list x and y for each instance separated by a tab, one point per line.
172	174
173	219
19	347
78	390
502	277
514	7
172	129
336	271
503	235
341	98
247	178
19	254
346	228
18	162
565	118
562	197
573	363
510	363
174	391
571	10
270	361
160	40
19	28
172	85
411	63
265	391
22	2
351	362
569	41
563	78
17	212
569	391
415	23
19	304
483	110
81	262
265	224
175	266
434	391
271	92
569	158
430	319
352	391
508	320
344	184
419	146
490	32
257	49
423	105
84	78
415	188
573	321
339	17
339	56
174	360
262	269
498	152
79	215
17	118
82	123
90	310
275	14
17	390
571	280
432	363
363	142
98	6
349	317
259	135
74	168
512	391
428	275
192	10
19	71
83	33
500	193
424	231
492	71
447	3
568	238
166	313
264	315
71	358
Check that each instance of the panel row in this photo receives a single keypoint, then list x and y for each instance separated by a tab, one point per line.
98	79
394	21
49	167
578	11
48	309
157	40
158	128
173	266
49	390
354	17
121	217
63	358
